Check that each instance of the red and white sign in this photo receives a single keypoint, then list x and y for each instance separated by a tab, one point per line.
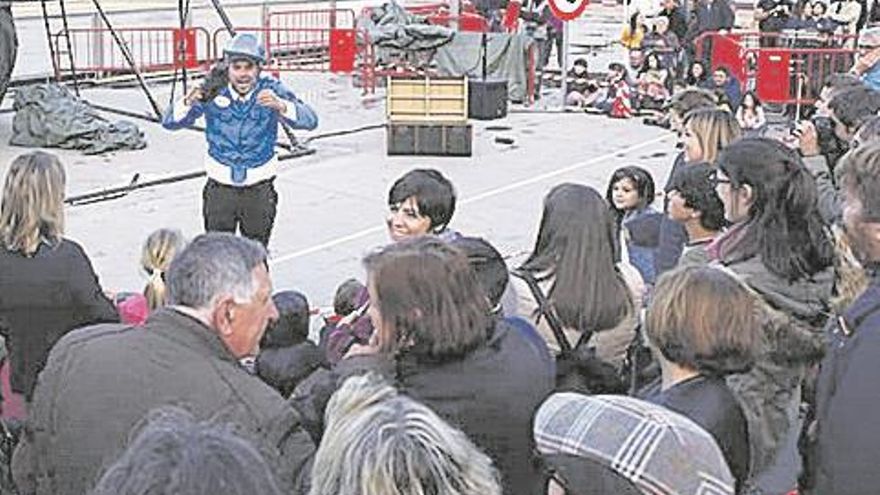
566	10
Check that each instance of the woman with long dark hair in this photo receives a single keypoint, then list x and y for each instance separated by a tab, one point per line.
779	246
573	264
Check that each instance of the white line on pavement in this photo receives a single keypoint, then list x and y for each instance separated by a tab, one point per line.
277	260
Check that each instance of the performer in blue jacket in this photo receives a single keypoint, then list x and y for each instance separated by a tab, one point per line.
242	127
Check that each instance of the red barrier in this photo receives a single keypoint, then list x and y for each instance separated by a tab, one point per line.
784	68
311	19
152	49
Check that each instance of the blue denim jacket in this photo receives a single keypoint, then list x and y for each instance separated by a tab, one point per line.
242	134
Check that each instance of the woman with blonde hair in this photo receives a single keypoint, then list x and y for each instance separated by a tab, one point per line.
159	250
707	132
47	284
379	442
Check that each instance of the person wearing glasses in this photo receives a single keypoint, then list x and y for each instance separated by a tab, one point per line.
778	246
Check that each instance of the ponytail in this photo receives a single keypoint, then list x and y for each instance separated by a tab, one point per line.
785	224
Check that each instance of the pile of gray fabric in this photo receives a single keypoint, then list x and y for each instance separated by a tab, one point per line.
49	116
391	26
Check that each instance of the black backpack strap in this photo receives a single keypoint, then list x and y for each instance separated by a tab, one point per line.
545	309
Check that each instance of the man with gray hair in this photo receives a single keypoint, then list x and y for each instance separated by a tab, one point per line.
101	381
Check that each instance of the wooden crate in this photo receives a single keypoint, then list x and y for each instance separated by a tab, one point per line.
431	100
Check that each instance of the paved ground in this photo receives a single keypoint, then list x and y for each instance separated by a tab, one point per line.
333	203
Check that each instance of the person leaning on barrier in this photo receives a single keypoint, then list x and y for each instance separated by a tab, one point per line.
242	111
100	381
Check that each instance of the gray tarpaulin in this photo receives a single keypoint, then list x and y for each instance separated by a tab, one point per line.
49	116
391	26
507	59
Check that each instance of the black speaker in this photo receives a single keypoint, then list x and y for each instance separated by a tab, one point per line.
487	100
429	139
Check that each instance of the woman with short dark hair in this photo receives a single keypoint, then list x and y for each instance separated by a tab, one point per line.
701	327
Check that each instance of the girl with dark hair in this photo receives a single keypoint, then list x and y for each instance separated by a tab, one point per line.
573	264
697	76
750	113
653	78
780	247
630	194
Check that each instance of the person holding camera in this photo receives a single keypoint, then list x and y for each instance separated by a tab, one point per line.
242	110
847	111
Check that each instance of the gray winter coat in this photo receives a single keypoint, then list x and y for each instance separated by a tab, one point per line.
796	312
100	381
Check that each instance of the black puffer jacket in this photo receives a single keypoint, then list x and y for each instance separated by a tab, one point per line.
491	395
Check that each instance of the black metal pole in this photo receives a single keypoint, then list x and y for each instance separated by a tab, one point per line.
70	56
55	68
128	58
184	13
223	17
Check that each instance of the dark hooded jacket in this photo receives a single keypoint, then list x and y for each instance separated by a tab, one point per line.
491	394
847	400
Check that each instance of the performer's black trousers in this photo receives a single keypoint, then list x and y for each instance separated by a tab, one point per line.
250	209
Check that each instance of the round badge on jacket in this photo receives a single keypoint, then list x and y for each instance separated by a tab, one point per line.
222	101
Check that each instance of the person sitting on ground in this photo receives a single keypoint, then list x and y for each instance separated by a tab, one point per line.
158	251
287	356
701	326
421	202
47	284
591	446
580	86
614	97
778	245
100	381
726	85
379	442
694	203
750	113
174	454
652	83
438	342
630	196
697	76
